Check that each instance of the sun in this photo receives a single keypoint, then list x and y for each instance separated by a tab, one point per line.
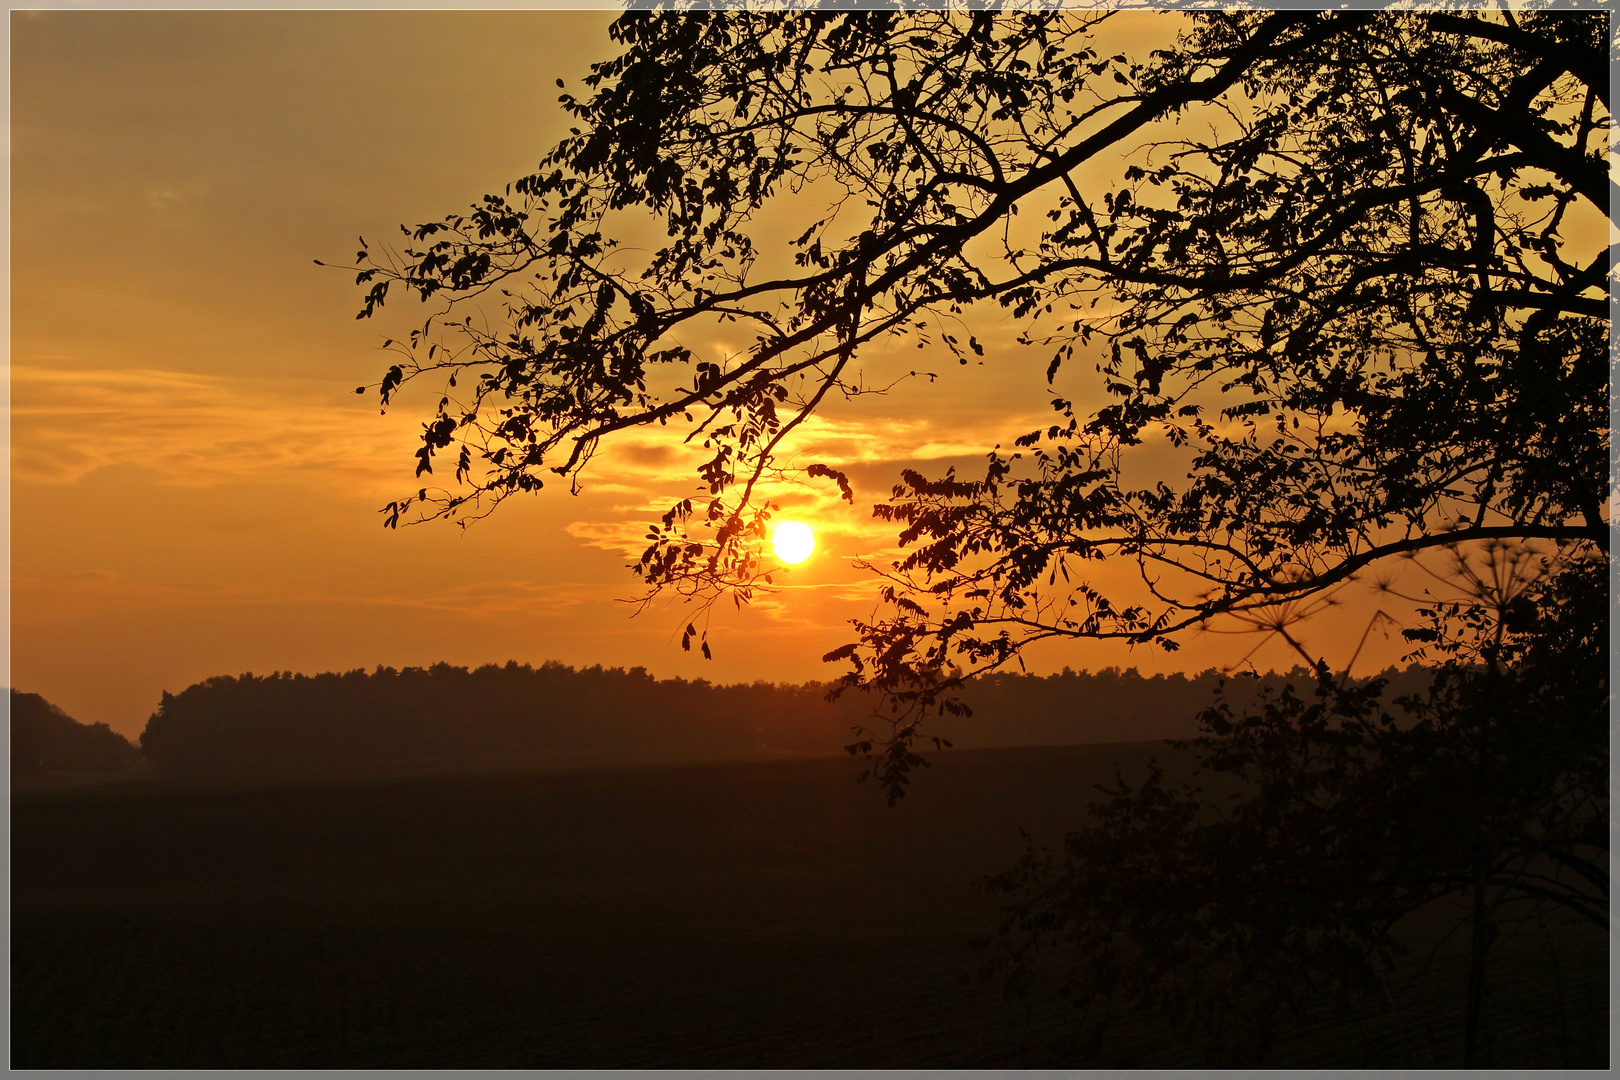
794	541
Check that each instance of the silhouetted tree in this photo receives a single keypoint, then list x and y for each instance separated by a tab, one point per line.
1353	270
1369	306
1327	819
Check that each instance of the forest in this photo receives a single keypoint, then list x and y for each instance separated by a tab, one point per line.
519	715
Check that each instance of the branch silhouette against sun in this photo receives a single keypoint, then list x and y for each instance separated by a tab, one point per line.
1353	269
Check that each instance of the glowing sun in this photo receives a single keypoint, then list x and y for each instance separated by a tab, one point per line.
794	541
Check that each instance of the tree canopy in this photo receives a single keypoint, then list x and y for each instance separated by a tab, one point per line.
1352	267
1355	267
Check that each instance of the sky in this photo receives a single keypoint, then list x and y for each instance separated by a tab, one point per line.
195	485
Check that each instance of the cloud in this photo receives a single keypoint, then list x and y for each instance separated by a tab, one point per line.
202	431
863	441
872	449
199	430
626	537
494	600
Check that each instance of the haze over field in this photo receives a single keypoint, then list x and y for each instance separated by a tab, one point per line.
195	484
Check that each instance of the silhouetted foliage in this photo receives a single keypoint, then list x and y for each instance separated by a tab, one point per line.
521	716
1353	266
1353	270
1329	818
518	714
1110	705
43	737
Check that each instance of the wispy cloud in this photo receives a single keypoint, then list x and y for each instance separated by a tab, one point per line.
197	430
206	430
664	472
491	599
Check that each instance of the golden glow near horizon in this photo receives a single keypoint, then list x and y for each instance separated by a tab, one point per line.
194	483
794	541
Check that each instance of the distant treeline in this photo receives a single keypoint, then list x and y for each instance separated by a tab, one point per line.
46	739
518	716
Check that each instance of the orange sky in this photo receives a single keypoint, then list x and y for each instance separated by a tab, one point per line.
195	485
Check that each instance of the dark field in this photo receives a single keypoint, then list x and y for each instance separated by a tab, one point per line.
757	915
